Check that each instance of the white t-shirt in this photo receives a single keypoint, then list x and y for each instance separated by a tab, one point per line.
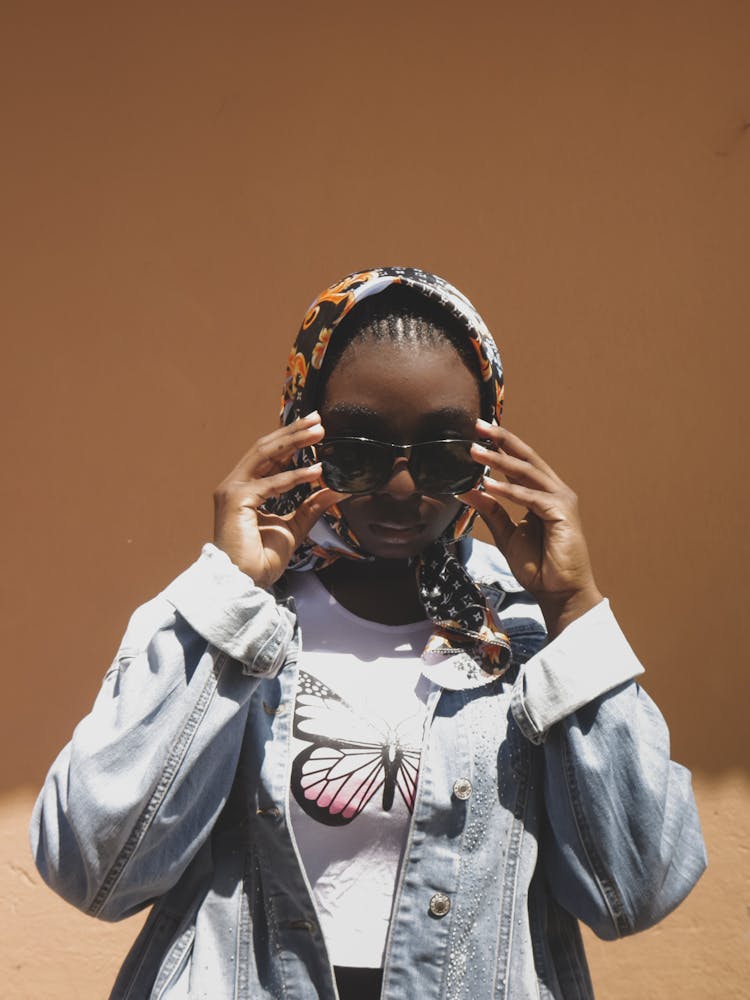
358	725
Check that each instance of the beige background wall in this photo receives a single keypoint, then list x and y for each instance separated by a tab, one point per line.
179	180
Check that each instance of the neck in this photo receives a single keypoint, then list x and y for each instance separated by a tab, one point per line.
381	590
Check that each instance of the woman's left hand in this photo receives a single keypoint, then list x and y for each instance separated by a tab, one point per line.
546	550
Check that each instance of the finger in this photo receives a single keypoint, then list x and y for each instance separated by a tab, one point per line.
259	490
275	450
272	452
513	445
311	509
517	470
494	515
547	506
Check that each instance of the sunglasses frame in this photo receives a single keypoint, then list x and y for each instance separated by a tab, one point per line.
405	449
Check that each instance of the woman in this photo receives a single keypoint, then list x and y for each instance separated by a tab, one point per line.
411	770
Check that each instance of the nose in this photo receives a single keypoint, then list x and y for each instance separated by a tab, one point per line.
400	486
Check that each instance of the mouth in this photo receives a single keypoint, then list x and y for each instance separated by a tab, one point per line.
397	531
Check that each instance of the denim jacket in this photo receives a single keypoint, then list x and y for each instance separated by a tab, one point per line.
545	797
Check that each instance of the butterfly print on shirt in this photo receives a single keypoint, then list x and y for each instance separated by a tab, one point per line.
335	777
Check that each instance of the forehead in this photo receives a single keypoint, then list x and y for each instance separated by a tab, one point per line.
402	382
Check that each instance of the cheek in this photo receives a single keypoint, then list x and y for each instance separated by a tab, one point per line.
444	513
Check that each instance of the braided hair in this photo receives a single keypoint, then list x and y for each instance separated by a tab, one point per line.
403	317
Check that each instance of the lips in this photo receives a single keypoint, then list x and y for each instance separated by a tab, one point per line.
397	525
397	531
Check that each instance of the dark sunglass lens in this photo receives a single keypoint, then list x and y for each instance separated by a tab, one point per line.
352	466
446	467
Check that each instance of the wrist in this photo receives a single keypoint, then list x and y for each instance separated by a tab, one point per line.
559	610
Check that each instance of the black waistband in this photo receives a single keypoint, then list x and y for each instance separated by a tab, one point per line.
358	984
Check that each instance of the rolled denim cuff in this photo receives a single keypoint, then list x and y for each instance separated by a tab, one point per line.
223	605
589	657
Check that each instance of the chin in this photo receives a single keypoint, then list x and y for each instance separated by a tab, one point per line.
393	553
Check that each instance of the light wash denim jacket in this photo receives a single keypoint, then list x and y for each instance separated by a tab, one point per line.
174	791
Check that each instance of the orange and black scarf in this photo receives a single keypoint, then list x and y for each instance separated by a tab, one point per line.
451	599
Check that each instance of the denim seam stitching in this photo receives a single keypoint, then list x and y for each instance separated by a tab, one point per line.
512	858
171	767
608	890
263	662
522	717
174	962
536	933
463	861
432	705
242	936
144	954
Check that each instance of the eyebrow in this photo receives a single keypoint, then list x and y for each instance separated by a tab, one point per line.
352	410
431	418
446	413
450	414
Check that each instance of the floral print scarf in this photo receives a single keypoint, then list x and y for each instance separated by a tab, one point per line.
462	619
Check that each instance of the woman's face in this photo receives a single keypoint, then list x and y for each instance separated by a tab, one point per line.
400	395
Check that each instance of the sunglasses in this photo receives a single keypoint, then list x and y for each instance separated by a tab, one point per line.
360	465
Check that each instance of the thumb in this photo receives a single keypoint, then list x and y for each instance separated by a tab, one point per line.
494	515
311	509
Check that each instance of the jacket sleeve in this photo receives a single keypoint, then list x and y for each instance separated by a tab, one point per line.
622	845
132	798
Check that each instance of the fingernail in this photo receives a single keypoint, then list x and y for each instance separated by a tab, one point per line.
314	415
485	424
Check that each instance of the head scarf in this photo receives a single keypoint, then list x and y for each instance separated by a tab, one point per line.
455	604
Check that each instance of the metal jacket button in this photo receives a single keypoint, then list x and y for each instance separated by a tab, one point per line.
462	788
439	904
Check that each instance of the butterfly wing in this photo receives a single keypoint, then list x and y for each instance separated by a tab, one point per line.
406	777
319	711
336	776
333	784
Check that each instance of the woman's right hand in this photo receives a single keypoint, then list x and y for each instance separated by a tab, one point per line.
262	544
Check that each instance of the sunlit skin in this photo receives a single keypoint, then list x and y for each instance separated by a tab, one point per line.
402	395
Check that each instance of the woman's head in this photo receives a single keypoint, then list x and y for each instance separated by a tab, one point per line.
401	371
329	325
398	356
398	318
401	356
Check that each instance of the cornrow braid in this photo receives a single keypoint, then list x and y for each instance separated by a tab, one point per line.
401	316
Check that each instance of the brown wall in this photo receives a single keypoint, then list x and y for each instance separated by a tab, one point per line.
179	179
